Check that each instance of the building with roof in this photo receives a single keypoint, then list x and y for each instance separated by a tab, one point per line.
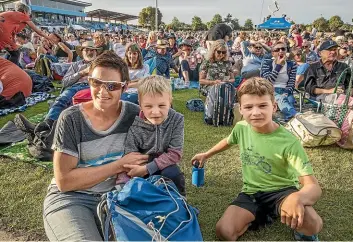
53	11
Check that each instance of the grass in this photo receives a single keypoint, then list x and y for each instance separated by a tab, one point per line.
23	186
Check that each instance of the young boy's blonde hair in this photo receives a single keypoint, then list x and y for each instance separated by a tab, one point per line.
154	85
256	86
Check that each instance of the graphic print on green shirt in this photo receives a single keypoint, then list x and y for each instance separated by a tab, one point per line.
269	161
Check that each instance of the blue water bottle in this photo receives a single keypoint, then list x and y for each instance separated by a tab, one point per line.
198	175
172	83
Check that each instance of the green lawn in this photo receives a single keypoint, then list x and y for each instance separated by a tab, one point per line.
23	186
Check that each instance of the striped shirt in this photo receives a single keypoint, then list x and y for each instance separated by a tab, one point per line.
75	136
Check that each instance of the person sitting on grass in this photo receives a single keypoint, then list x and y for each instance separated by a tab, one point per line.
74	81
278	178
88	146
282	73
157	124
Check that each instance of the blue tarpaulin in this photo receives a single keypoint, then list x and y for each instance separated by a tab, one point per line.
275	23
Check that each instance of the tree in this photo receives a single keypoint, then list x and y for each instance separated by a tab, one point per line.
228	19
235	23
321	24
335	23
196	24
147	17
248	25
175	24
347	27
217	19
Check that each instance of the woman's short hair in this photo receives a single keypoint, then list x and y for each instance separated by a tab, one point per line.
218	44
23	8
133	47
153	85
109	59
150	36
256	86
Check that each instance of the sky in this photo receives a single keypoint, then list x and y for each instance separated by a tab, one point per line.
301	11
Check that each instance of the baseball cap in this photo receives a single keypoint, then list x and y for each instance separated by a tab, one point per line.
327	45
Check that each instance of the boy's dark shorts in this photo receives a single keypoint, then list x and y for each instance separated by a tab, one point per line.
262	204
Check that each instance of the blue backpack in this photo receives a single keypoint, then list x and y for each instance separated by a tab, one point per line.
148	209
195	105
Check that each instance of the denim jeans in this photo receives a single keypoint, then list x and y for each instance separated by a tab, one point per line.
174	173
64	100
285	102
71	216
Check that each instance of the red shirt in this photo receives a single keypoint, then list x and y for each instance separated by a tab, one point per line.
11	23
298	39
14	79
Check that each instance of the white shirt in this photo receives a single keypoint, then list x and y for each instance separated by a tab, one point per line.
1	87
74	43
119	49
29	45
135	74
282	78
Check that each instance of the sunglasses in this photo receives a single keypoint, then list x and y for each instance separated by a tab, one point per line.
344	48
258	47
279	49
109	85
221	52
186	49
305	46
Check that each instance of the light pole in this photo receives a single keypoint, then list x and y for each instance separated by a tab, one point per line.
156	15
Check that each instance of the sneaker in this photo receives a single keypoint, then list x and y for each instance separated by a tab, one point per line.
301	237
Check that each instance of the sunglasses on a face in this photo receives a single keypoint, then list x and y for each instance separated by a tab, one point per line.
258	47
109	85
221	52
279	49
305	46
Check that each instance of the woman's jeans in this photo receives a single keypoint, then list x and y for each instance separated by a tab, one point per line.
285	102
73	215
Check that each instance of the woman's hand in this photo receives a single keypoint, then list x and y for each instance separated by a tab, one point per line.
134	158
136	170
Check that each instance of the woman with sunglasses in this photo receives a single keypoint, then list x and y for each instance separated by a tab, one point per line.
216	68
310	55
254	53
282	73
88	146
137	70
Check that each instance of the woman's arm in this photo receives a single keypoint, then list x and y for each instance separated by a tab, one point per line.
70	178
67	51
35	29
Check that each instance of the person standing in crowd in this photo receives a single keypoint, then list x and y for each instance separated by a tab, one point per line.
321	76
216	68
13	22
281	72
137	70
310	55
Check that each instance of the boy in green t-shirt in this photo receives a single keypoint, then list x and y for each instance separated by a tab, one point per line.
277	175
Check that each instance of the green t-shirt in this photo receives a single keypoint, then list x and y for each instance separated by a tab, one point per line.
269	161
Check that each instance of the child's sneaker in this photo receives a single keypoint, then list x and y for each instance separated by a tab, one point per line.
301	237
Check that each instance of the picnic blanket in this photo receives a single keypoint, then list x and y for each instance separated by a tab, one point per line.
19	152
35	98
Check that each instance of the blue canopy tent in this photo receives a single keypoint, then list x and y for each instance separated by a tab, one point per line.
275	23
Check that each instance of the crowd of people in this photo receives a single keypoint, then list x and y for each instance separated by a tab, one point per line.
123	70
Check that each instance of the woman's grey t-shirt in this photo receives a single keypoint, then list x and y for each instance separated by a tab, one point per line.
75	136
